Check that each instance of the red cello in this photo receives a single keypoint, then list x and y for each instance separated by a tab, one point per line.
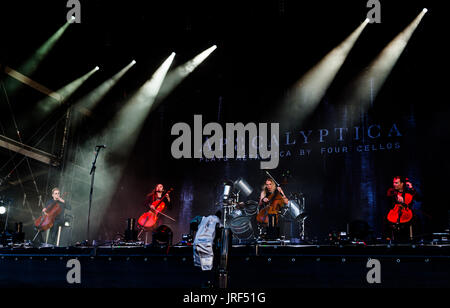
149	219
401	213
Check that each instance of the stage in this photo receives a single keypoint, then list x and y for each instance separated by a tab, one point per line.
318	124
250	266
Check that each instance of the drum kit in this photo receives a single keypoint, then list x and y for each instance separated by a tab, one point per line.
240	217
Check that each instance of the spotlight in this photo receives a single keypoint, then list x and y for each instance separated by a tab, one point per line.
366	20
162	236
227	190
231	189
73	17
133	62
97	68
2	210
66	224
425	10
308	91
242	186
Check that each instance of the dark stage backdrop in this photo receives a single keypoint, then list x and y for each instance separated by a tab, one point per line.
344	174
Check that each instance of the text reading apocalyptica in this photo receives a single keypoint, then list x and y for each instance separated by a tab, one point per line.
210	144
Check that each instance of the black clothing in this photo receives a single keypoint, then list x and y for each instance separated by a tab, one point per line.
59	220
64	206
392	195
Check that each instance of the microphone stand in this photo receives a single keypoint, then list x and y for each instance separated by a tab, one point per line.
226	237
94	167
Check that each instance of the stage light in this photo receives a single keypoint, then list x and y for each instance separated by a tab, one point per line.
2	210
66	224
227	190
122	132
234	188
242	186
367	20
46	106
132	116
89	101
97	68
306	94
133	62
176	76
363	90
128	121
65	92
33	62
425	10
162	236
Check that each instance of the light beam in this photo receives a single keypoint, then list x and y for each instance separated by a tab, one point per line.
310	89
176	76
86	104
364	89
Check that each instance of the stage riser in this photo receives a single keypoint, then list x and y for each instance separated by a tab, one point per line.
255	272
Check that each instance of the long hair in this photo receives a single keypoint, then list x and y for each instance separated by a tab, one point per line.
152	194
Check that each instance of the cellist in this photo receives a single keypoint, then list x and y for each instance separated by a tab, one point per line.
401	192
156	195
271	200
59	220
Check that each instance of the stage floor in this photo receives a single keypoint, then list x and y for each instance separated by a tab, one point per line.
250	266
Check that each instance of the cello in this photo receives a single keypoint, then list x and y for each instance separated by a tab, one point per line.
270	209
149	219
47	220
401	213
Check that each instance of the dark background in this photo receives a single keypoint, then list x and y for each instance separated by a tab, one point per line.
263	49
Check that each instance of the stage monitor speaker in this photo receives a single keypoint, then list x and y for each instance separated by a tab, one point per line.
289	229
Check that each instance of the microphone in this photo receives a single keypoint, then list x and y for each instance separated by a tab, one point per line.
100	146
